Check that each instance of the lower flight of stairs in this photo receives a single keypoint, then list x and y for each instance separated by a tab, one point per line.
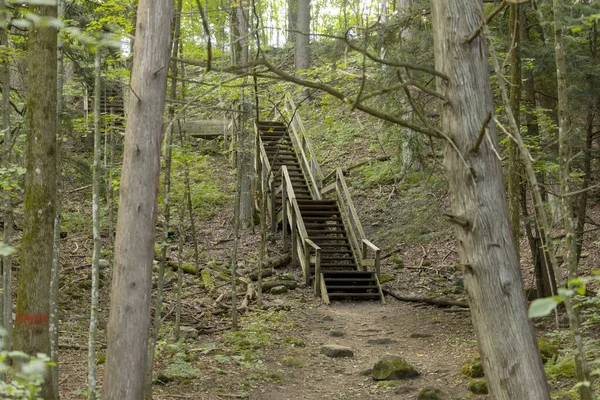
323	222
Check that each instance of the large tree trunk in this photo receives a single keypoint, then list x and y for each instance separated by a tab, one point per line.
511	360
33	293
129	321
302	53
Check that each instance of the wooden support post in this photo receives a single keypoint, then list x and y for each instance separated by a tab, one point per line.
274	206
284	216
294	240
306	262
317	272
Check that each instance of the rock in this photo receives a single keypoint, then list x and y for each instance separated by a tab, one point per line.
391	367
420	335
290	361
288	277
548	350
295	342
383	278
336	351
103	264
398	263
337	333
279	290
187	332
383	340
327	318
473	368
431	393
478	386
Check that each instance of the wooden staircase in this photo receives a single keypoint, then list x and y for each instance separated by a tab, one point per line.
322	241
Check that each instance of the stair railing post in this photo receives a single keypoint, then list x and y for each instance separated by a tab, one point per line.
284	214
306	262
294	240
363	254
317	272
378	263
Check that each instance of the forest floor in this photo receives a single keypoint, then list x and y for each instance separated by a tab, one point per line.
275	355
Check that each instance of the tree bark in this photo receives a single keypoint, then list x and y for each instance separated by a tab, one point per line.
33	293
292	13
302	50
493	283
129	321
97	175
6	195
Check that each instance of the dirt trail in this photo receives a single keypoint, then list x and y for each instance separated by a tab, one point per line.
437	357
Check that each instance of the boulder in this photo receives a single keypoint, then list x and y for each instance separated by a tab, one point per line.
391	367
473	368
384	278
336	351
431	393
187	332
478	386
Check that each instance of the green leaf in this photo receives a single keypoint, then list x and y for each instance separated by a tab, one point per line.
542	307
6	250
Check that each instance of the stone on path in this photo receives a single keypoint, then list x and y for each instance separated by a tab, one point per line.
336	351
431	393
391	367
336	332
383	340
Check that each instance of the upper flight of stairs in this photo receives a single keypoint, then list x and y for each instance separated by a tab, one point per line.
339	264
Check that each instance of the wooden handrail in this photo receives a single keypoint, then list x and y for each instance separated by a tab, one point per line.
353	213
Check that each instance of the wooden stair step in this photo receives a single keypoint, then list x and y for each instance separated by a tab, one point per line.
363	295
324	225
345	274
334	251
368	280
320	218
350	287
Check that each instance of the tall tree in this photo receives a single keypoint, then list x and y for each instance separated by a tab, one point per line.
566	139
33	293
129	321
292	14
511	360
302	50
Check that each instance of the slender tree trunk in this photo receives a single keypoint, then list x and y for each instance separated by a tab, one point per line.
565	151
33	294
302	50
6	262
97	172
514	159
181	232
55	274
587	177
129	321
511	360
110	190
166	203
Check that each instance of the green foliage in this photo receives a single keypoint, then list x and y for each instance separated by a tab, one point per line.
25	380
206	187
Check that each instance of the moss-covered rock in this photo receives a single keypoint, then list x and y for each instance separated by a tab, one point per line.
391	367
548	350
473	368
397	262
431	393
384	278
478	386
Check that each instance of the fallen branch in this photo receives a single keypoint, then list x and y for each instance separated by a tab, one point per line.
250	293
278	262
440	302
347	170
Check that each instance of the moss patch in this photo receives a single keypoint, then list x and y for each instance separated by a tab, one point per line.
473	368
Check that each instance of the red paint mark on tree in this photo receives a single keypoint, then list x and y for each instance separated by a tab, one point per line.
32	321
